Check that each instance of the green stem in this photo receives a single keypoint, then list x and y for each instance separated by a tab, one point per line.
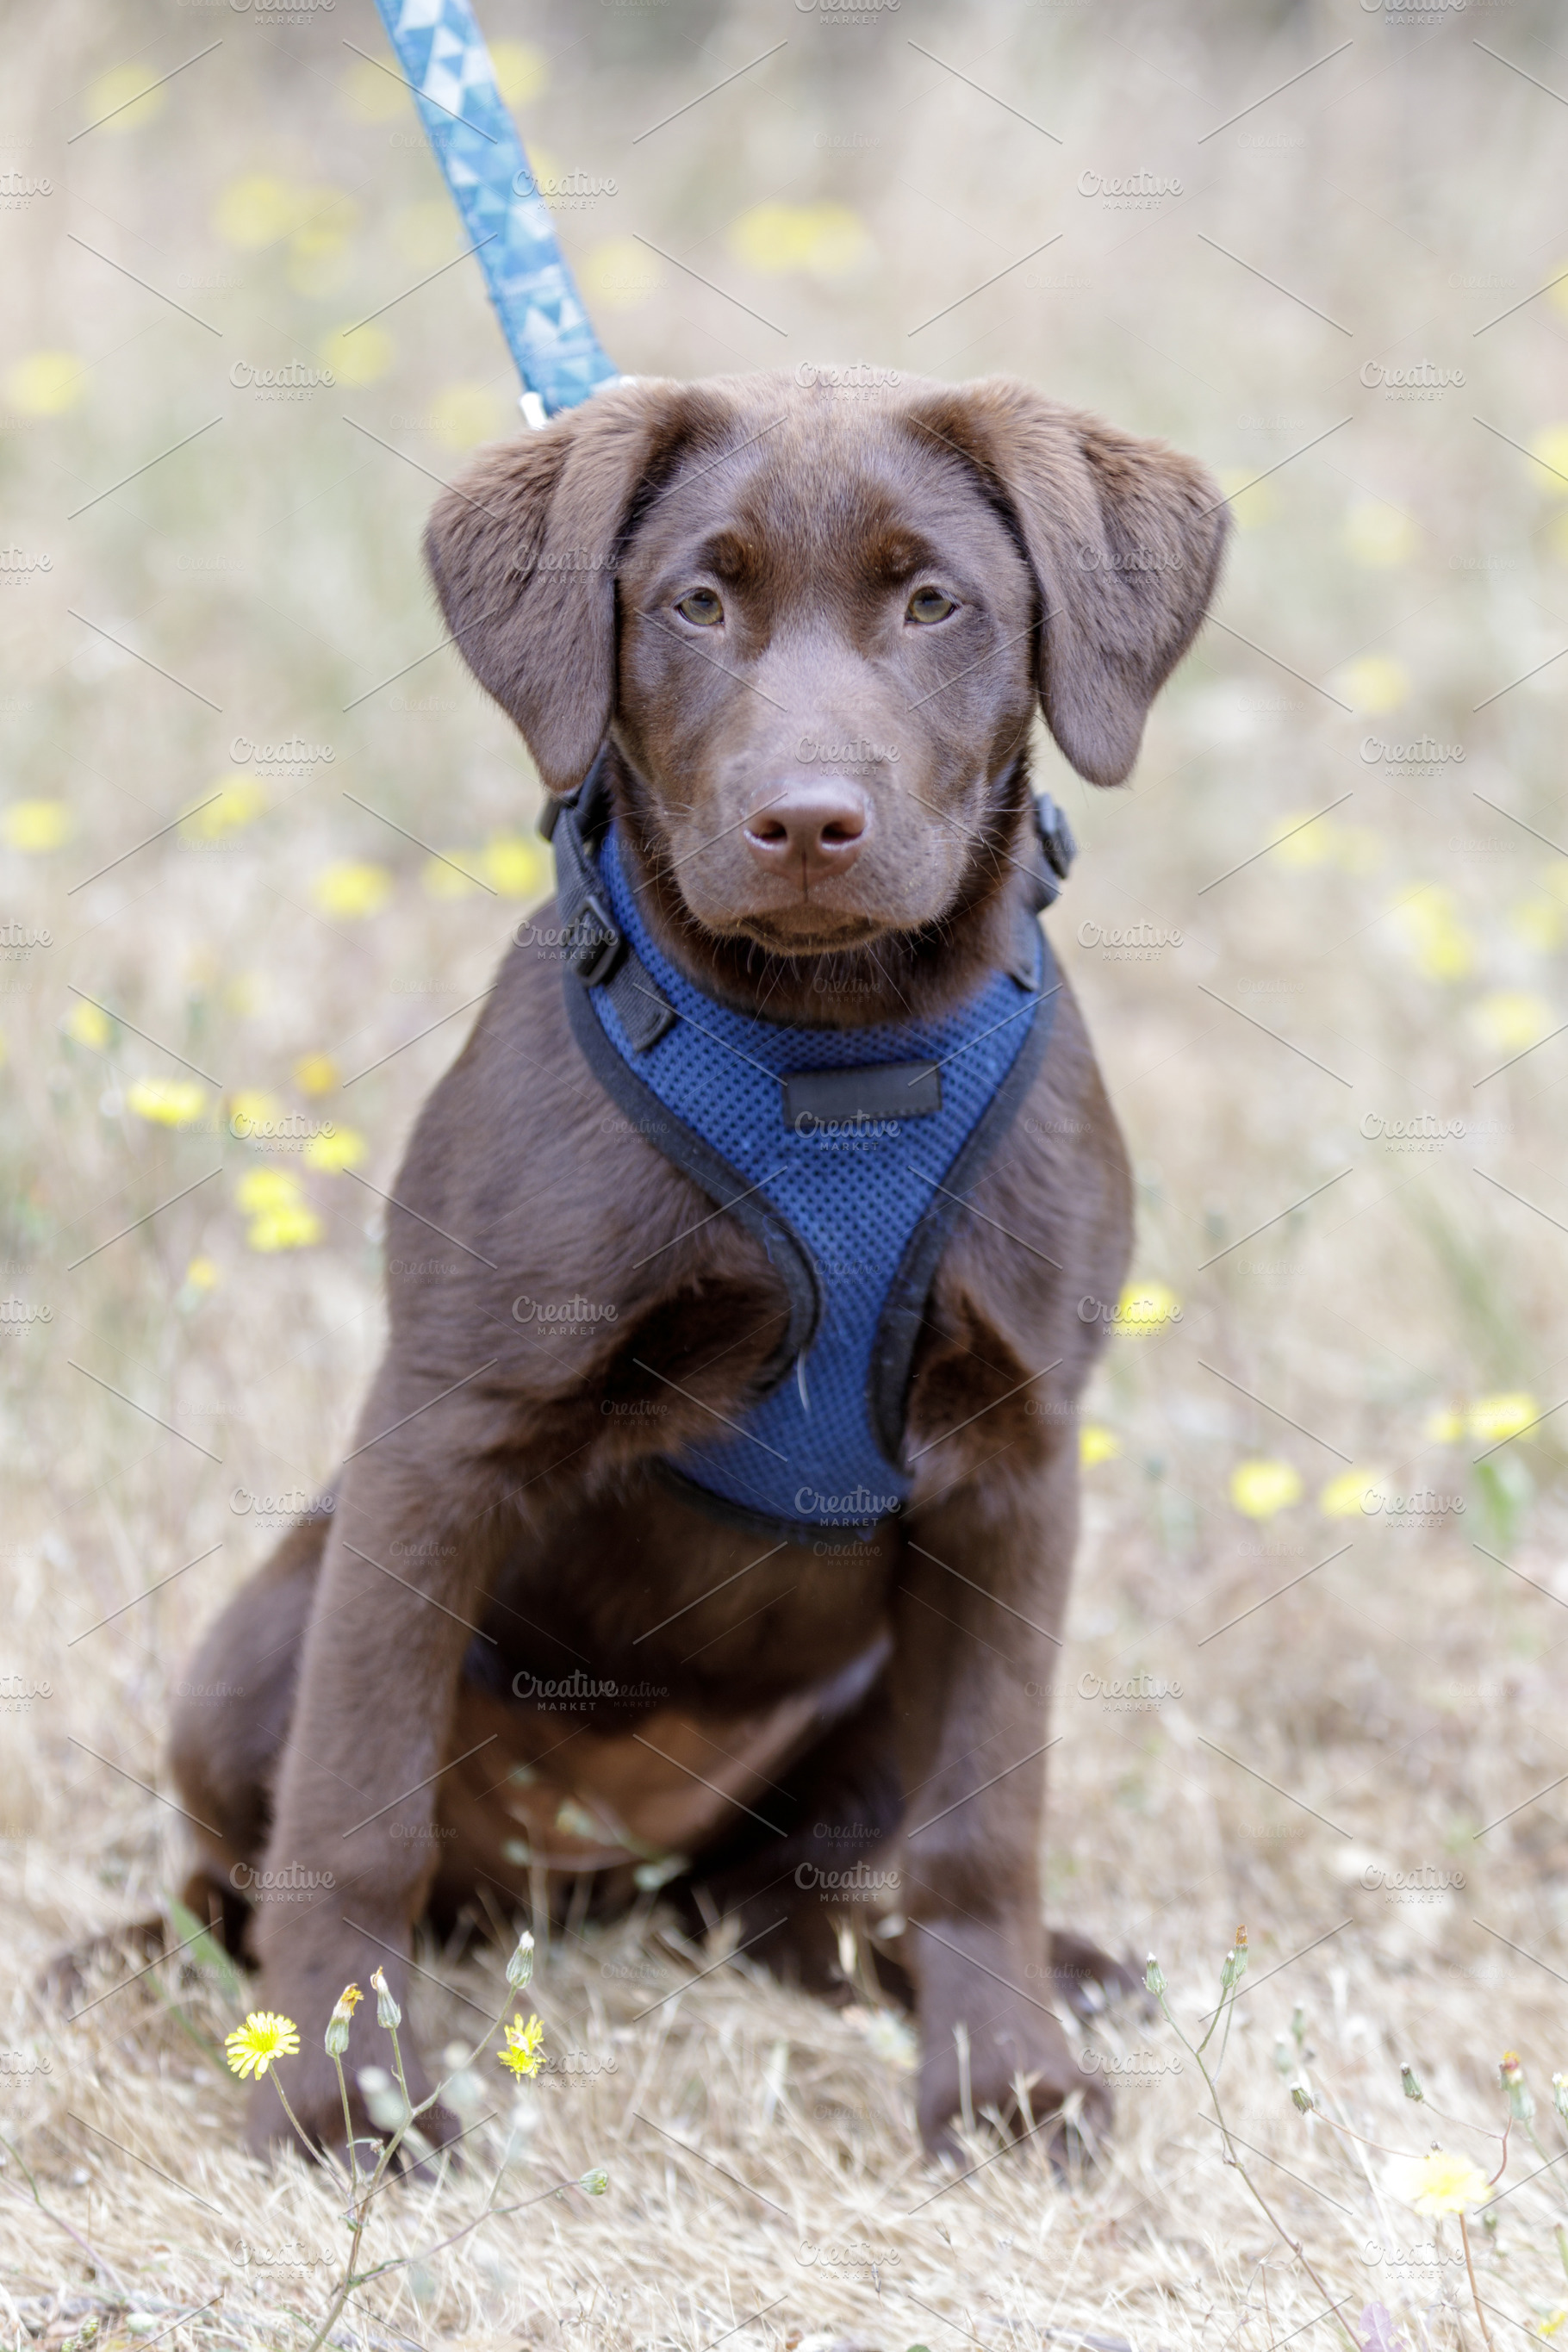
1475	2290
348	2125
1253	2191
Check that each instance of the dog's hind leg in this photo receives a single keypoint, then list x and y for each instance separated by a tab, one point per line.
231	1718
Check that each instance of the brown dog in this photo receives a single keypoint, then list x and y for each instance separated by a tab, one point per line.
813	635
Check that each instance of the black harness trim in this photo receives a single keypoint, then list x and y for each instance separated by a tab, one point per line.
599	955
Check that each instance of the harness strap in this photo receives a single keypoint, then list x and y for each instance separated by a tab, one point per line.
597	951
600	956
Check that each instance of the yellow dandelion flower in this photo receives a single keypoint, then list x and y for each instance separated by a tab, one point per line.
1495	1418
449	876
124	97
1145	1306
826	239
230	803
619	275
251	1108
1375	684
87	1026
246	992
35	826
293	1226
1345	1497
1259	1490
264	2036
315	1074
267	1188
464	415
344	1148
1302	841
517	865
1538	923
328	216
318	244
350	892
1550	446
1357	848
202	1275
1439	2182
358	355
524	2052
1550	2326
1251	502
166	1102
1428	922
1379	534
367	93
1096	1445
255	210
1444	1426
522	71
45	383
1512	1019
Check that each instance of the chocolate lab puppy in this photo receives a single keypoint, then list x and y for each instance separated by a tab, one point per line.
543	1640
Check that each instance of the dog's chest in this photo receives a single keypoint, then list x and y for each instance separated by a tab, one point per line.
540	1788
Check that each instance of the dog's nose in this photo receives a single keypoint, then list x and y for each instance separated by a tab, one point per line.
814	828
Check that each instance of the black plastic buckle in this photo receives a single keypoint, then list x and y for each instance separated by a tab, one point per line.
1055	836
593	943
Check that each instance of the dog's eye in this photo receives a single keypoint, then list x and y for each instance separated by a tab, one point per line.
928	604
703	606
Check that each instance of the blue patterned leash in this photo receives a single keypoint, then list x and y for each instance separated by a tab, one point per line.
443	55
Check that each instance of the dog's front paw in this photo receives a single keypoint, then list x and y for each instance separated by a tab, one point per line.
990	2043
1087	1978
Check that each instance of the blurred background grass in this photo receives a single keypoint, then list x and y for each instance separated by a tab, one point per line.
231	733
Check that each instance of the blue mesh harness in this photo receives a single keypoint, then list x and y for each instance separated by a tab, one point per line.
847	1152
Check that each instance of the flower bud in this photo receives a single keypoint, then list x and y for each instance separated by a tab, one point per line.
337	2035
595	2183
1408	2083
1302	2098
387	2013
1154	1977
1234	1967
520	1967
1559	2095
1511	2077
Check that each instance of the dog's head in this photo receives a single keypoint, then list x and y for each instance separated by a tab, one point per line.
815	628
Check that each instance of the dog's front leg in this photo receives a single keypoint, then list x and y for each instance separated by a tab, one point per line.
351	1851
983	1595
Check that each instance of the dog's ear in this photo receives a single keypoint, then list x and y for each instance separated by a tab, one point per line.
1125	537
523	552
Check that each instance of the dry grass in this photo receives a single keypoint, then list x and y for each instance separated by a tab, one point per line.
1385	1710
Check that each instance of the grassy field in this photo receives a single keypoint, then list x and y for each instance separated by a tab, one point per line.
1314	1682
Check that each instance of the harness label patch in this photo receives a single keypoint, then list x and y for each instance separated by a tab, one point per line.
885	1092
